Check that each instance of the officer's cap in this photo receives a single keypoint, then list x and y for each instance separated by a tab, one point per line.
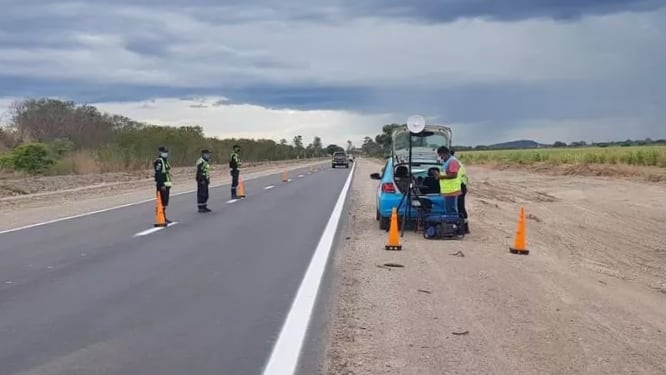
163	149
205	151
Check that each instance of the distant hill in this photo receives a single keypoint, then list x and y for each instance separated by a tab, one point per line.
523	143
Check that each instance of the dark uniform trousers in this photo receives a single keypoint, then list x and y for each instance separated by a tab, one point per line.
164	195
461	207
202	193
234	182
461	202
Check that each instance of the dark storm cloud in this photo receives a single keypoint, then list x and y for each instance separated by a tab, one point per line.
182	44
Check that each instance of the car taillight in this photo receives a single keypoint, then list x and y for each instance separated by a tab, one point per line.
388	187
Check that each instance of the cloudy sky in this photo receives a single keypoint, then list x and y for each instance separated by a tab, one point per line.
495	70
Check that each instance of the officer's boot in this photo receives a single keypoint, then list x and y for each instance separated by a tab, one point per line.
206	209
466	227
202	208
233	193
165	216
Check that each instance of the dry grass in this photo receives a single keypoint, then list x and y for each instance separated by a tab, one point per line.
644	162
87	162
12	185
648	156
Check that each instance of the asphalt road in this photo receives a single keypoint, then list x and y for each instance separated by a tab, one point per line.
207	295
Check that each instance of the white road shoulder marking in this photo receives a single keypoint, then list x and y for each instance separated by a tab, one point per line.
232	201
269	187
301	176
148	231
286	352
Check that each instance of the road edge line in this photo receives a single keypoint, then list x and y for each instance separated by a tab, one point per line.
29	226
286	351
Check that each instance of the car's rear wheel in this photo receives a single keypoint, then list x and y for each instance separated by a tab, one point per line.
377	217
384	223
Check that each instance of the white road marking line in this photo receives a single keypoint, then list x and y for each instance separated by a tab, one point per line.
148	231
153	230
269	187
300	176
232	201
116	207
286	352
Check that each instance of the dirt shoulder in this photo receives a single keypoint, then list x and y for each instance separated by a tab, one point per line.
65	196
590	298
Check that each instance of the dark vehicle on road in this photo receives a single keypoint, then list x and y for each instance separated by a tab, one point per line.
340	158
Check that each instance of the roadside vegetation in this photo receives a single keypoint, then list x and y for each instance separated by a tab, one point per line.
52	137
644	158
650	156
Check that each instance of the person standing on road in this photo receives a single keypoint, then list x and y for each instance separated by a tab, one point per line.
463	193
449	180
163	178
203	180
234	165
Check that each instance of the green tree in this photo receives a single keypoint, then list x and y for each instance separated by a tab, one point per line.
120	143
331	149
32	158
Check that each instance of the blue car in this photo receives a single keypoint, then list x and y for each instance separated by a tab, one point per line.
394	176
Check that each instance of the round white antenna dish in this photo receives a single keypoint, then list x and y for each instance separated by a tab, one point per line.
416	123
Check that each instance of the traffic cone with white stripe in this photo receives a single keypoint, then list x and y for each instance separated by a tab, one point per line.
393	237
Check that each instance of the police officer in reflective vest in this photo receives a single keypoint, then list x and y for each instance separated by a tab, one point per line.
163	177
234	164
203	181
449	180
463	193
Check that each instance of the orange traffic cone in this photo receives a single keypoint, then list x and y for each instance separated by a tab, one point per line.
519	242
285	176
160	220
241	189
393	237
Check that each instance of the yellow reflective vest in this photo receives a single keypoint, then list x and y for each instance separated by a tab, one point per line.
451	186
462	173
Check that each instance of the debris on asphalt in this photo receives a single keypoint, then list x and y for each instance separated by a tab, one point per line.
460	333
425	291
458	254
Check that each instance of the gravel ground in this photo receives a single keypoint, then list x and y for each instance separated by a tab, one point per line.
590	298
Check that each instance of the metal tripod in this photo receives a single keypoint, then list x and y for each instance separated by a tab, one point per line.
408	195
